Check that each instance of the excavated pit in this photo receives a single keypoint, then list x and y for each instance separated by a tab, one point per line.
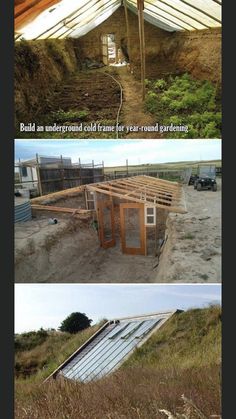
188	247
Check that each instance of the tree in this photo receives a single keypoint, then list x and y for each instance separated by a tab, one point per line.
75	322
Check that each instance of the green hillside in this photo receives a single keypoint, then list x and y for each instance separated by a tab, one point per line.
176	370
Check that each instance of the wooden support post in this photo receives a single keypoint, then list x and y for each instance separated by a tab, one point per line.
62	174
80	176
140	5
38	175
127	167
127	30
20	177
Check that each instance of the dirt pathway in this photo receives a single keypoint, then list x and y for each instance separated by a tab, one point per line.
132	112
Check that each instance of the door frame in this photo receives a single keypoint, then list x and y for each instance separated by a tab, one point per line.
105	58
101	205
133	250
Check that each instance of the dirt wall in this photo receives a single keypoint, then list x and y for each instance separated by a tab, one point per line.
39	67
197	52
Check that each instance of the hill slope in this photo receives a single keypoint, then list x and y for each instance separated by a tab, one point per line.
182	358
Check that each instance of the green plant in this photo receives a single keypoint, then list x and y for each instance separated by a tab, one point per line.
69	116
184	101
75	322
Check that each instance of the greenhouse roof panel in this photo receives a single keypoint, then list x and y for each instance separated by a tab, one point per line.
108	348
66	18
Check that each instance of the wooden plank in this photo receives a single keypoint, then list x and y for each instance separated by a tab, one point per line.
142	181
129	186
137	193
166	207
60	194
130	182
140	6
127	30
60	209
153	188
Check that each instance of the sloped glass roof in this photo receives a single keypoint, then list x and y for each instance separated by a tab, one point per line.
75	18
110	347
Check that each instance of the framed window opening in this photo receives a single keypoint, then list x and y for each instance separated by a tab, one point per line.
150	215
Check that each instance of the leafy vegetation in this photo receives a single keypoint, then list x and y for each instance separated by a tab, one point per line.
69	116
184	101
39	361
75	322
27	341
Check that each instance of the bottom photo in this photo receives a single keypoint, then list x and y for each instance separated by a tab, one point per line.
117	351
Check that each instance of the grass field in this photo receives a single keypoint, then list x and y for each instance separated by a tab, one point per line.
176	370
163	166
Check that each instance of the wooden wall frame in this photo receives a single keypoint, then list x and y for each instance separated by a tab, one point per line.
133	250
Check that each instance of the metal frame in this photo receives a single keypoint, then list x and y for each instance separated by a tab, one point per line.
97	337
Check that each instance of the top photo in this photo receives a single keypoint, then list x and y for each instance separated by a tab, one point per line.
117	69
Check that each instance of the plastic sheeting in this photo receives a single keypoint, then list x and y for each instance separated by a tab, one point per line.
75	18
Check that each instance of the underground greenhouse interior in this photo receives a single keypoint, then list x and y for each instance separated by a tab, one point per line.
118	69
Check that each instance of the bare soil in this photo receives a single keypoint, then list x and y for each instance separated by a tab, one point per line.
133	113
92	90
70	252
193	249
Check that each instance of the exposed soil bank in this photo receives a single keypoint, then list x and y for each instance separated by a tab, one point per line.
70	251
197	51
193	249
39	67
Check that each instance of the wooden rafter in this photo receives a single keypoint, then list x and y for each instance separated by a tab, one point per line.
144	189
61	194
73	211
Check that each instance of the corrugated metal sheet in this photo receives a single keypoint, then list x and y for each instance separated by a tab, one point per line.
110	347
22	210
76	18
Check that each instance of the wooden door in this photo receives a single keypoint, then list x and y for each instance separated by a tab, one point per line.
106	228
133	237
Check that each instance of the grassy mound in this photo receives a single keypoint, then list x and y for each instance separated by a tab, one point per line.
42	355
177	370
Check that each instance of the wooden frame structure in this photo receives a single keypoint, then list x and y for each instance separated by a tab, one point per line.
144	190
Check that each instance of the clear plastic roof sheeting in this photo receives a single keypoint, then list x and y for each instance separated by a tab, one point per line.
175	15
75	18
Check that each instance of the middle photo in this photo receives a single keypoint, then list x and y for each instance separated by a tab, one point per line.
117	211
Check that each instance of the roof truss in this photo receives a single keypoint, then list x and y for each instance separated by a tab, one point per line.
144	189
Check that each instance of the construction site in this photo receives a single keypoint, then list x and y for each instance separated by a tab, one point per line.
118	69
146	225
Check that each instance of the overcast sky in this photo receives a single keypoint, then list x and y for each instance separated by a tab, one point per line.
47	305
115	152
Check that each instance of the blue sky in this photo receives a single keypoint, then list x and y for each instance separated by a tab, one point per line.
115	152
47	305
